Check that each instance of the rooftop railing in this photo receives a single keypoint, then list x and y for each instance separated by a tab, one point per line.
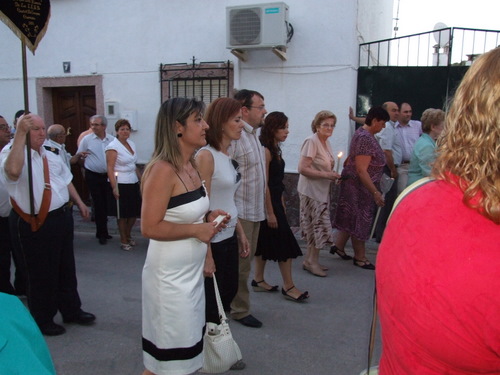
443	47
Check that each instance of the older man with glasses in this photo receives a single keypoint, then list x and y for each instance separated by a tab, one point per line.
96	174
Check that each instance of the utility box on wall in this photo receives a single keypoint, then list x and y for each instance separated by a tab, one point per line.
257	26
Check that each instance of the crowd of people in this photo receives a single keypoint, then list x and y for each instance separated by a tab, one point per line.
226	161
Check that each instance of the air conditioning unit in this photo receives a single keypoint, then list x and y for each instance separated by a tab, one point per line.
257	26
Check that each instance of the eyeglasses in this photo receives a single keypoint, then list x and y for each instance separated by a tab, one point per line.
94	124
327	126
5	128
260	107
237	169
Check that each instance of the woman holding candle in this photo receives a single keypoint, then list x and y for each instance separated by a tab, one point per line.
316	174
359	191
123	175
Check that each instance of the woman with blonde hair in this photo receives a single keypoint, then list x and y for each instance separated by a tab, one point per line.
437	269
424	151
316	175
174	207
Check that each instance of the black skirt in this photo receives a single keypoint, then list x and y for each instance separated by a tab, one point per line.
130	201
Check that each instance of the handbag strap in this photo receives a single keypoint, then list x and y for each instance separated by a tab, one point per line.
220	307
373	327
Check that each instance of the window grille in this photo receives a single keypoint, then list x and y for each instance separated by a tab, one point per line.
205	81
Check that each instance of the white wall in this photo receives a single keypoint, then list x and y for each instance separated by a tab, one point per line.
125	41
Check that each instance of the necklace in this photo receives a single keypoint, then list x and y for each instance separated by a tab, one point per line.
190	177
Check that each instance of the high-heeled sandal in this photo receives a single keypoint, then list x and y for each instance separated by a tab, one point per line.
300	298
125	247
365	264
341	253
257	288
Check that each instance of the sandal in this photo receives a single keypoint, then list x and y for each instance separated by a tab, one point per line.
315	270
257	288
365	264
341	253
125	247
132	242
305	265
300	298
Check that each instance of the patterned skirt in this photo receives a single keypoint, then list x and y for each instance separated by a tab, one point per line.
315	222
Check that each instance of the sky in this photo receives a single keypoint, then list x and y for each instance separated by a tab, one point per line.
416	16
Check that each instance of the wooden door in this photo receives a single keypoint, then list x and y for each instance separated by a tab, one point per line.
73	107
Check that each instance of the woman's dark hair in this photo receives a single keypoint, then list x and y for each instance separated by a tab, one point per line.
376	113
122	122
273	122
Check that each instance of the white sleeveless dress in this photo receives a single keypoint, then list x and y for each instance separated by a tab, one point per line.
173	299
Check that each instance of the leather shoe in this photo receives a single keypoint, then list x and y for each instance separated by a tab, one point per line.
52	329
250	321
82	317
108	237
240	365
103	241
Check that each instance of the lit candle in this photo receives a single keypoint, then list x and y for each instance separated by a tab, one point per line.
339	156
117	199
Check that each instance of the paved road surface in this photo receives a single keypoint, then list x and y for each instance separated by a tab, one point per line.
327	335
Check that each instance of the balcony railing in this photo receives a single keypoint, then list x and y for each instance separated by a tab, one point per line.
443	47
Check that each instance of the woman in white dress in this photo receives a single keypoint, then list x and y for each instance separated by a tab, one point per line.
174	211
123	175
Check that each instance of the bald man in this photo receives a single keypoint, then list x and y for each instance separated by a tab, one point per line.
45	240
55	143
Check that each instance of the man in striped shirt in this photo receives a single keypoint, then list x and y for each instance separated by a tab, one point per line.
249	154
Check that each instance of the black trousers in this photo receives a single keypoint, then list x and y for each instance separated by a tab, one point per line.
226	257
6	254
390	198
100	190
50	265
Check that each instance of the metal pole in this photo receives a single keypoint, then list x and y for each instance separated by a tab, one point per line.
28	139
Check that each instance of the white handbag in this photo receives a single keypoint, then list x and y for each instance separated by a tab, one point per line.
220	351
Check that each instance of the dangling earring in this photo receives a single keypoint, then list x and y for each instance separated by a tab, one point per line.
179	135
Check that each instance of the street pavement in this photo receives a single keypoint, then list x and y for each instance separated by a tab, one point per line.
328	334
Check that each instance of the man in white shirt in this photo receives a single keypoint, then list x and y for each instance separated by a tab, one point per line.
44	226
96	174
391	144
409	131
250	196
